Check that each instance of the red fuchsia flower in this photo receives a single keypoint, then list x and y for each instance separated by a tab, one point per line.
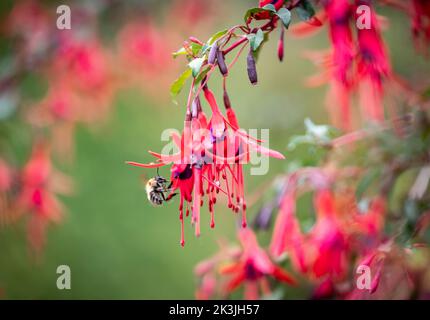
210	159
84	66
252	268
324	253
39	185
373	66
328	239
389	275
339	15
210	283
351	67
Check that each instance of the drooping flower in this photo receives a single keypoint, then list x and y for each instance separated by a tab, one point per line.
40	184
249	266
252	269
388	274
373	67
349	68
325	253
84	65
210	160
339	16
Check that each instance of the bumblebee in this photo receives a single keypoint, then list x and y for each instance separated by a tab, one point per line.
155	190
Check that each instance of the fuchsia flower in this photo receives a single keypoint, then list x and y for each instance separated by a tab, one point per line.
231	268
252	269
39	185
324	253
212	152
339	15
350	67
373	66
83	66
390	277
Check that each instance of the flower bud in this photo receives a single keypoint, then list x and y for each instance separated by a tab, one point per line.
227	103
221	63
252	70
281	46
213	54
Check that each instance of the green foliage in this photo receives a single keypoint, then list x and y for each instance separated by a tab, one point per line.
216	36
256	39
305	10
177	86
196	65
317	135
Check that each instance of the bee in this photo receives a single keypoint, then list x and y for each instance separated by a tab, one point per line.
156	188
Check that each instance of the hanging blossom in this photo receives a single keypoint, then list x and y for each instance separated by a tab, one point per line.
249	267
83	65
351	67
40	183
324	254
210	160
391	275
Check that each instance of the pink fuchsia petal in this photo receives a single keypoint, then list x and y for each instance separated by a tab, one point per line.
283	276
144	165
197	198
263	150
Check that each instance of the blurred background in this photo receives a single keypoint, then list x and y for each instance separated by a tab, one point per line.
117	245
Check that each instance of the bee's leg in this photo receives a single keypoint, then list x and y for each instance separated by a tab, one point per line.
170	185
163	196
170	196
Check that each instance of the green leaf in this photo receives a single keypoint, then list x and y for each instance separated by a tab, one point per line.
256	53
195	49
253	11
255	39
270	7
285	16
366	182
317	135
180	52
176	86
305	10
216	36
196	65
202	74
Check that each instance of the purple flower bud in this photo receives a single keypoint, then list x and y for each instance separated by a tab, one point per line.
221	63
195	108
213	54
263	218
227	103
252	70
